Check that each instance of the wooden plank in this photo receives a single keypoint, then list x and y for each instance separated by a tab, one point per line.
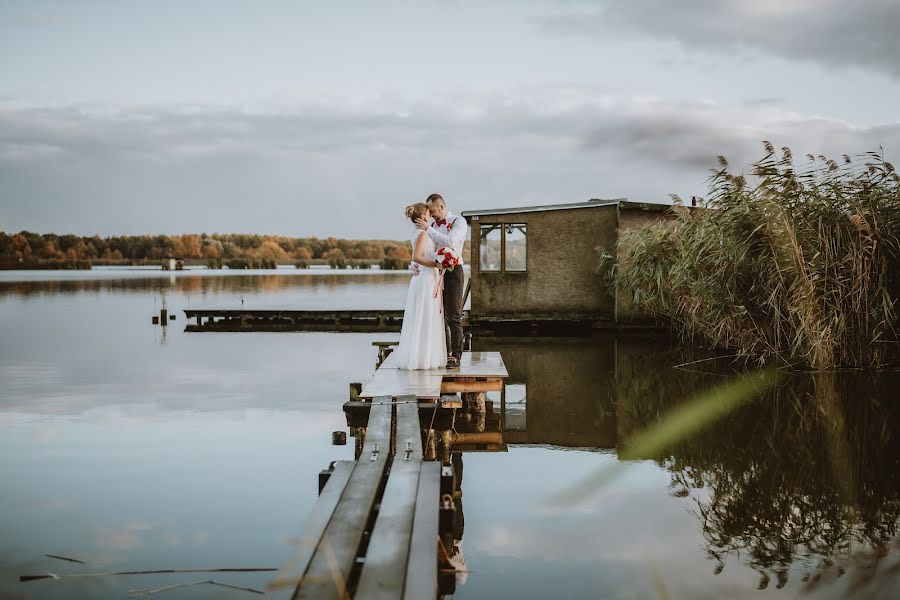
478	437
451	402
397	382
335	556
390	362
422	568
297	314
357	414
384	571
472	364
286	580
471	386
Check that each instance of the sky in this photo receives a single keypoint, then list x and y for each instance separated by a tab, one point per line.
328	118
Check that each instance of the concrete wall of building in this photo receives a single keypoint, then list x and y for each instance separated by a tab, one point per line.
561	277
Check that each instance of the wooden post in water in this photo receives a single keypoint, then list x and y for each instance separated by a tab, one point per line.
430	445
359	439
476	405
446	444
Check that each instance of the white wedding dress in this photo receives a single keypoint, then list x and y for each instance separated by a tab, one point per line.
423	343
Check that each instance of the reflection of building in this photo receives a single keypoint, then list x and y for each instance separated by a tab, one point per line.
540	263
586	392
559	391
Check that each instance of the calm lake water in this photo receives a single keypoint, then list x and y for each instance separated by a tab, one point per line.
133	447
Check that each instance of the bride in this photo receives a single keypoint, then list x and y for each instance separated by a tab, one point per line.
423	344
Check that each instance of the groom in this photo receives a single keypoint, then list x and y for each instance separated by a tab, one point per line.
448	230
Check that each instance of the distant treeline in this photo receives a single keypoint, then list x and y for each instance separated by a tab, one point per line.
32	250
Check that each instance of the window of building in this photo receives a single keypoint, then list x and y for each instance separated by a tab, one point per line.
503	247
489	250
515	244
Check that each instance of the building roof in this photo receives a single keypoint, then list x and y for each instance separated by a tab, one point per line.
592	203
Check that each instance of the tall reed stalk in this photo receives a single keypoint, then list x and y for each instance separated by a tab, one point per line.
803	264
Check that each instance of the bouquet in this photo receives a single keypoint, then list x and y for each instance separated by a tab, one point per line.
448	258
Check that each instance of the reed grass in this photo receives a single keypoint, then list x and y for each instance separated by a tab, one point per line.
800	264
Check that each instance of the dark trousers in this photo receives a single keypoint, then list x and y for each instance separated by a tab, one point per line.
453	307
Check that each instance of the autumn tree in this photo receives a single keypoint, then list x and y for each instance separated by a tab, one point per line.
19	247
188	246
211	248
270	250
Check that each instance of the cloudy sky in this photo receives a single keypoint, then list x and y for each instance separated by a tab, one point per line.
327	118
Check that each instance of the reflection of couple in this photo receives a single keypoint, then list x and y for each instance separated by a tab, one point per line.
435	294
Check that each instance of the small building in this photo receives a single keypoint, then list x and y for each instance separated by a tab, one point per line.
542	263
172	264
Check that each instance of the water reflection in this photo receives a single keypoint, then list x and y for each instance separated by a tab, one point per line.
206	451
803	483
253	284
806	475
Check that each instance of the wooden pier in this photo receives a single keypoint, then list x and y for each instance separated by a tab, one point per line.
384	522
477	372
211	319
384	320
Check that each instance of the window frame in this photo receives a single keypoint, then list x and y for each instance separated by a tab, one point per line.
482	237
524	229
503	227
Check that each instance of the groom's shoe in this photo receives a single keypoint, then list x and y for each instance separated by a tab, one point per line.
452	362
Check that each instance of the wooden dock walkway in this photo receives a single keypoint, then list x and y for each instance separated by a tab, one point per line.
212	319
478	372
376	530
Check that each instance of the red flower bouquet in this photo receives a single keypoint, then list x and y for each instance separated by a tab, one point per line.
448	258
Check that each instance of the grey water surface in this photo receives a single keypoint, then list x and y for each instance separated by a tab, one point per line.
131	446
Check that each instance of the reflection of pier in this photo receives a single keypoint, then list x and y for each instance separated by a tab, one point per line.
386	521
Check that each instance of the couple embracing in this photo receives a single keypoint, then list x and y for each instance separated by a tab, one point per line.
434	302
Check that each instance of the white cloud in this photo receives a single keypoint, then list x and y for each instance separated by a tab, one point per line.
144	169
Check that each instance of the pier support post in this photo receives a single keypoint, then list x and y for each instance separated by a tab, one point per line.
475	405
325	475
359	439
430	445
446	444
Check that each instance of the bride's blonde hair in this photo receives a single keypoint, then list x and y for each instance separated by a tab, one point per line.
416	211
